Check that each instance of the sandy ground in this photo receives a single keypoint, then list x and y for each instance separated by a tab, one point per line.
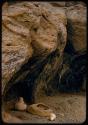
69	108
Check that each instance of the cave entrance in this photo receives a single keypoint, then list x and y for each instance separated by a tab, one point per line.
42	76
22	83
34	76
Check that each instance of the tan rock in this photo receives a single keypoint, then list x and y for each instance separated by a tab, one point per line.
15	52
30	29
58	4
72	3
77	20
8	118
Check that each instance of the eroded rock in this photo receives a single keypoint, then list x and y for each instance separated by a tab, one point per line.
77	20
58	4
30	30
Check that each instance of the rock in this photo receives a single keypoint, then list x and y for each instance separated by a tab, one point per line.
59	19
46	83
8	118
5	5
5	116
77	20
72	3
16	48
30	30
52	25
58	4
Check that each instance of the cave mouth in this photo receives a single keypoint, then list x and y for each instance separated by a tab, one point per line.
27	87
21	89
24	87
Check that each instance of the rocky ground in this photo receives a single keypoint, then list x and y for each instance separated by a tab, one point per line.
69	108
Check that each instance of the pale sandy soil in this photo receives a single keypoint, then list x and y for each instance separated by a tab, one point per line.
69	108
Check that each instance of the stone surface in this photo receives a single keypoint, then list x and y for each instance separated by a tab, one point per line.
30	30
58	4
77	21
34	35
72	3
15	53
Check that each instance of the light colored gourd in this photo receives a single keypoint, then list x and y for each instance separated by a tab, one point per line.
52	117
20	105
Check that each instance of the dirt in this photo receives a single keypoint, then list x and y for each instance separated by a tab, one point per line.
69	108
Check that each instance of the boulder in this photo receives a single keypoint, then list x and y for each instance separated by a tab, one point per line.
30	30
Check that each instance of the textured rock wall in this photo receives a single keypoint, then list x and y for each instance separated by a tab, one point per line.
77	31
35	30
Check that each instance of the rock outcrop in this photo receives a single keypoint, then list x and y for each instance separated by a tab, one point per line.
34	37
16	47
29	31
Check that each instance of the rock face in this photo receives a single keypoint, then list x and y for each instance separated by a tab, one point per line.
34	36
72	3
77	19
16	48
30	30
58	4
